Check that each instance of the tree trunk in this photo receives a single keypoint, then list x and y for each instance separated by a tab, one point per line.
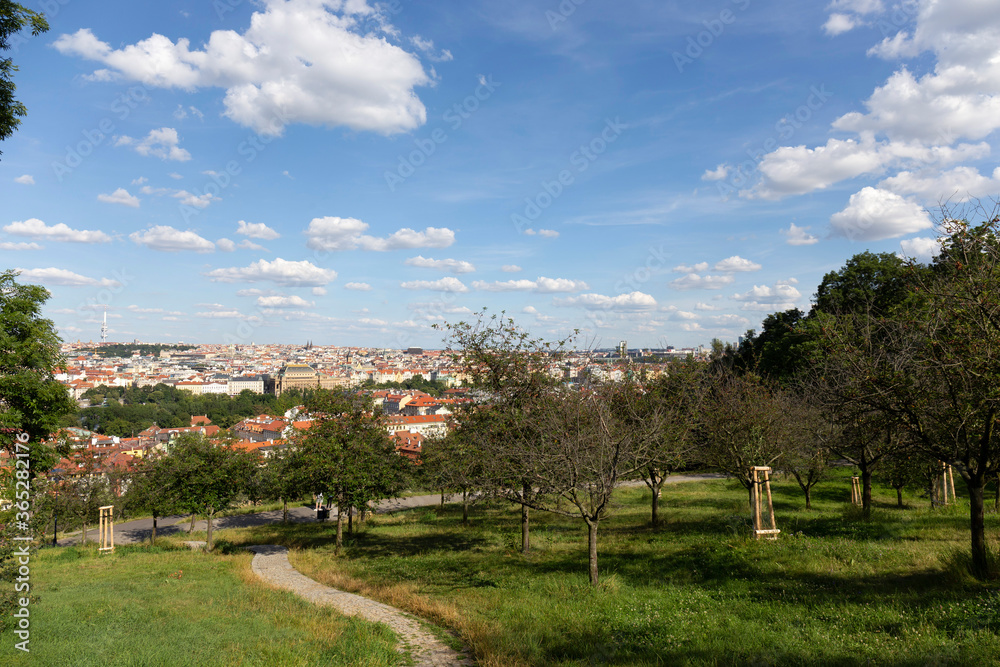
284	510
350	520
441	506
152	536
191	528
866	492
808	492
340	526
592	550
84	542
465	507
655	518
208	540
525	535
996	501
899	497
977	516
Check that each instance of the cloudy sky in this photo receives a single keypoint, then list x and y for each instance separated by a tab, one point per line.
351	172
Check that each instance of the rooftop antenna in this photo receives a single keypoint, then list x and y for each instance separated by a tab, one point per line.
104	327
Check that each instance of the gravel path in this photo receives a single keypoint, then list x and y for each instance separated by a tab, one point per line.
270	563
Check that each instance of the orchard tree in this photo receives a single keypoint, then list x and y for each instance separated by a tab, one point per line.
151	490
511	367
347	454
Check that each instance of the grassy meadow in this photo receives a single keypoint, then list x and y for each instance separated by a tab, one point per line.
145	606
835	589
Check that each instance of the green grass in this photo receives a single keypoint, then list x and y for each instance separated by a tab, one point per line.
154	606
835	589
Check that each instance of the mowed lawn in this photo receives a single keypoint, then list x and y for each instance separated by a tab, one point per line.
144	606
833	590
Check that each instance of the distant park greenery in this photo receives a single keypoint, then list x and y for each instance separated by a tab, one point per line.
432	387
124	411
128	349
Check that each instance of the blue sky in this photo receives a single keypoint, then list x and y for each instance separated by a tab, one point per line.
351	172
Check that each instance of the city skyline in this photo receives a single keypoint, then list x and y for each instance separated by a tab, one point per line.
351	173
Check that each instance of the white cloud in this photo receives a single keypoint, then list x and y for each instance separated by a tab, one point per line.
140	180
168	239
728	320
706	306
529	310
737	264
284	302
198	201
542	285
162	143
36	229
225	245
247	244
694	281
448	284
336	234
8	245
25	179
120	196
63	278
799	235
923	249
222	315
547	233
764	298
510	268
717	174
697	268
358	287
634	301
319	291
957	185
300	61
838	24
256	230
873	215
280	271
453	265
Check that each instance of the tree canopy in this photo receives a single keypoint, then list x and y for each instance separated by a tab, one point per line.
14	17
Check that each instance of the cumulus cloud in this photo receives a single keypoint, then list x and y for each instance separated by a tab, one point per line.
736	264
542	285
163	143
956	185
717	174
706	306
256	230
873	214
838	24
453	265
10	245
280	301
336	234
168	239
697	268
281	272
782	296
694	281
299	61
120	196
634	301
63	278
25	179
799	235
922	249
510	268
225	245
448	284
36	229
358	287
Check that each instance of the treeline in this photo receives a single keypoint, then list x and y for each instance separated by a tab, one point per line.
417	382
127	349
124	411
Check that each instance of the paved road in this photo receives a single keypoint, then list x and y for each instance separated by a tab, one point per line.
134	532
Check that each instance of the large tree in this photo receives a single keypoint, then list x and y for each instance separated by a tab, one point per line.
347	455
14	17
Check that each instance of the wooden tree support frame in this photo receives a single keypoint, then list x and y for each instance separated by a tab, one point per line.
761	486
107	529
856	492
943	490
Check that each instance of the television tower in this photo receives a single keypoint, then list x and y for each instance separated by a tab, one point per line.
104	327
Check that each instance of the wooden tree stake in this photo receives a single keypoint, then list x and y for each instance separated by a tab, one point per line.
761	478
107	529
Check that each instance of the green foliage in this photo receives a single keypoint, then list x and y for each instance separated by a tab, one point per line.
417	382
133	409
127	349
14	17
